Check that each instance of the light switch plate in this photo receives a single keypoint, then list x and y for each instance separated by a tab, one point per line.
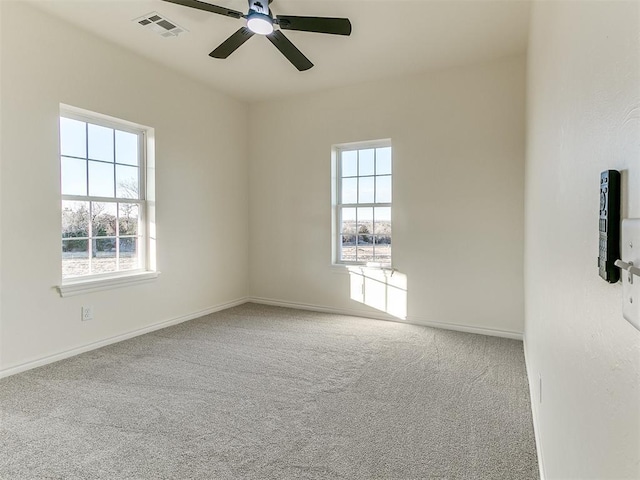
631	284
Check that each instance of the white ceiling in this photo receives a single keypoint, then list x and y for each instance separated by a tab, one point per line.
390	38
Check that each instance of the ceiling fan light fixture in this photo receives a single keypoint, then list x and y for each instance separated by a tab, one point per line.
260	23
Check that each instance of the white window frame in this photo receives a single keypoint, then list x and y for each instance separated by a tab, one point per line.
146	245
336	242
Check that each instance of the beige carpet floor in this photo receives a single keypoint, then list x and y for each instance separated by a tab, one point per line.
258	392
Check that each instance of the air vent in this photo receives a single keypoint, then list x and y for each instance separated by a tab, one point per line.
160	25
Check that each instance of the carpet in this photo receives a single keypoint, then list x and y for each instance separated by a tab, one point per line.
258	392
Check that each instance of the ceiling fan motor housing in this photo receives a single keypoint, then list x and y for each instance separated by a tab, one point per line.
260	6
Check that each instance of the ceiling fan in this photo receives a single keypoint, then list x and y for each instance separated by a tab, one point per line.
260	20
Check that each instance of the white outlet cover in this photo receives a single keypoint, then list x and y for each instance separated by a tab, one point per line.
631	284
87	313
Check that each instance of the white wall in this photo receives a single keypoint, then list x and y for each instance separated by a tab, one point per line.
1	175
201	180
458	139
583	118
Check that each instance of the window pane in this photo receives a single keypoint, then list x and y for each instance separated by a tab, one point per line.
128	219
365	248
75	258
104	219
100	143
127	182
348	220
129	254
365	221
75	219
104	255
348	248
383	189
101	179
350	164
366	162
73	173
73	138
349	190
383	221
366	190
126	148
383	161
383	250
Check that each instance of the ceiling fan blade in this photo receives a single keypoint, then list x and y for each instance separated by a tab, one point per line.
207	7
290	51
333	26
232	43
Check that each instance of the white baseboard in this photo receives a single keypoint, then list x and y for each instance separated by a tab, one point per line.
534	412
381	316
115	339
491	332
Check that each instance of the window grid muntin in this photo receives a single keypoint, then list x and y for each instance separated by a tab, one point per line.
341	206
142	238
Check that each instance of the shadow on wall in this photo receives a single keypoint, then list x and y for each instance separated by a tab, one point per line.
384	290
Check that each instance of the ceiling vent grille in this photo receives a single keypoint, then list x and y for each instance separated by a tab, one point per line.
160	25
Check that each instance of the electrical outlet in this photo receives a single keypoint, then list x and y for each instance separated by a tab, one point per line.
87	313
540	388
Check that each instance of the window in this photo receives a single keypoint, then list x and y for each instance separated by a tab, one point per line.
363	204
104	208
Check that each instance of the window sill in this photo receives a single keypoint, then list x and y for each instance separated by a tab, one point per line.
345	268
80	287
